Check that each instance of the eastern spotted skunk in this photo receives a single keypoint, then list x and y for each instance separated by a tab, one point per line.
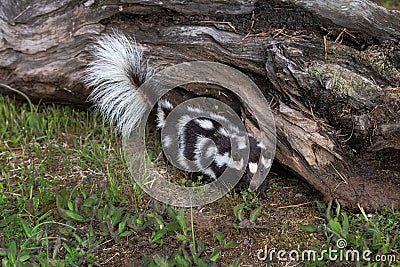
119	68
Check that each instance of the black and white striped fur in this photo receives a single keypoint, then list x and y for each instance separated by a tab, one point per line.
118	69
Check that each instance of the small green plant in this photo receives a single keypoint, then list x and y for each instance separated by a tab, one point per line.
223	242
14	255
244	222
112	220
36	245
191	251
357	232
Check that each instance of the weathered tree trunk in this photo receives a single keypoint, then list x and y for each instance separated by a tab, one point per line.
330	70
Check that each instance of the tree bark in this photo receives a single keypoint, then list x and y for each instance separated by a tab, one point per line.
330	72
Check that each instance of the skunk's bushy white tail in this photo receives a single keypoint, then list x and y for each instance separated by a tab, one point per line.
117	70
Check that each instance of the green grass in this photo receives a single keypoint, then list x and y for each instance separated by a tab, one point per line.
67	199
64	191
379	234
54	160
